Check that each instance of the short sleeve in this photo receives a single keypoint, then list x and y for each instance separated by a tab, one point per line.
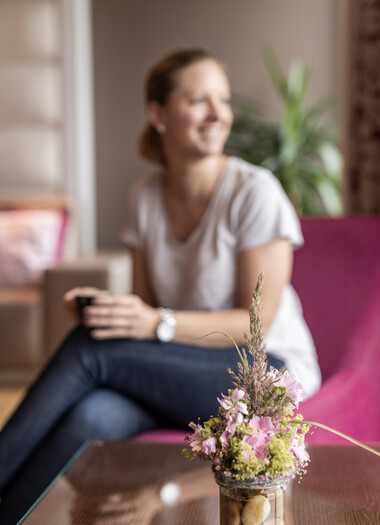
265	213
131	233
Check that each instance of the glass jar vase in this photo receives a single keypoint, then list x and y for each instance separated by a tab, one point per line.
251	503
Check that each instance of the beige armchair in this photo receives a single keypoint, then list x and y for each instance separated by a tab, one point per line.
110	271
33	320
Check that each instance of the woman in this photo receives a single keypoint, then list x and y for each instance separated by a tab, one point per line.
200	232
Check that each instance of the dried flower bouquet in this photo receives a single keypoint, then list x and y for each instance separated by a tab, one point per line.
256	435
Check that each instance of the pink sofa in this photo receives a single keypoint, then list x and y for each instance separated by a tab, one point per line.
337	275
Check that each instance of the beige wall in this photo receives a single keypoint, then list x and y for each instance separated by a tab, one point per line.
131	34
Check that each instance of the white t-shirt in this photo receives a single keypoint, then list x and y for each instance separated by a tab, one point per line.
248	208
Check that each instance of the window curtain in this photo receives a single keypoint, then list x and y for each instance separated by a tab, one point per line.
361	91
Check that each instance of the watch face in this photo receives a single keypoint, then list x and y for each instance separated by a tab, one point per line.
165	332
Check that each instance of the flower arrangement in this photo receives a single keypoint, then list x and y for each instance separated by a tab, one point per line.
256	443
256	436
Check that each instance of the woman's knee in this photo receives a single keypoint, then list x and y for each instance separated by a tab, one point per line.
76	339
105	414
79	348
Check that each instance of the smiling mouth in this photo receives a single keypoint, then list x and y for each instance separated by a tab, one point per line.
215	131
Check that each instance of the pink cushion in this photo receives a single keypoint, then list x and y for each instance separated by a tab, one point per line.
30	242
349	400
337	276
163	436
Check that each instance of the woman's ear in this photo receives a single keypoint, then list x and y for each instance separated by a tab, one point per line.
156	116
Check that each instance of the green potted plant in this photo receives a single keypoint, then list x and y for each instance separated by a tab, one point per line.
301	149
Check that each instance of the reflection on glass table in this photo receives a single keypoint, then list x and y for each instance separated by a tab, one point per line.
128	483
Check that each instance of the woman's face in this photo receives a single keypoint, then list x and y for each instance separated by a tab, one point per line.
197	116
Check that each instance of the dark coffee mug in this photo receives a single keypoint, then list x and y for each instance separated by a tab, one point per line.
87	299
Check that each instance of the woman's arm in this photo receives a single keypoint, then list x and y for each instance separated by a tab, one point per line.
140	284
276	260
136	315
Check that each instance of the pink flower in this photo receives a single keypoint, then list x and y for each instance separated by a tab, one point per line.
209	446
294	389
264	423
299	451
232	401
197	440
225	439
258	443
234	419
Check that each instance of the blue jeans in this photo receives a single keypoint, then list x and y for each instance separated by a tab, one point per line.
107	390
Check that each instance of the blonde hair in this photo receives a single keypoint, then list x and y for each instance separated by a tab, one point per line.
160	82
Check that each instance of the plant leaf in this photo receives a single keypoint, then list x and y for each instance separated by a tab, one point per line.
276	73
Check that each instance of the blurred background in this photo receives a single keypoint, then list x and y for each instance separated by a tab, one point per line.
72	75
306	87
130	35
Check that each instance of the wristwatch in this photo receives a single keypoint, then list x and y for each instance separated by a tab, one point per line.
165	330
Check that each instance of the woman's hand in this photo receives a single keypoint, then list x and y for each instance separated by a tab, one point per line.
70	303
131	508
114	316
